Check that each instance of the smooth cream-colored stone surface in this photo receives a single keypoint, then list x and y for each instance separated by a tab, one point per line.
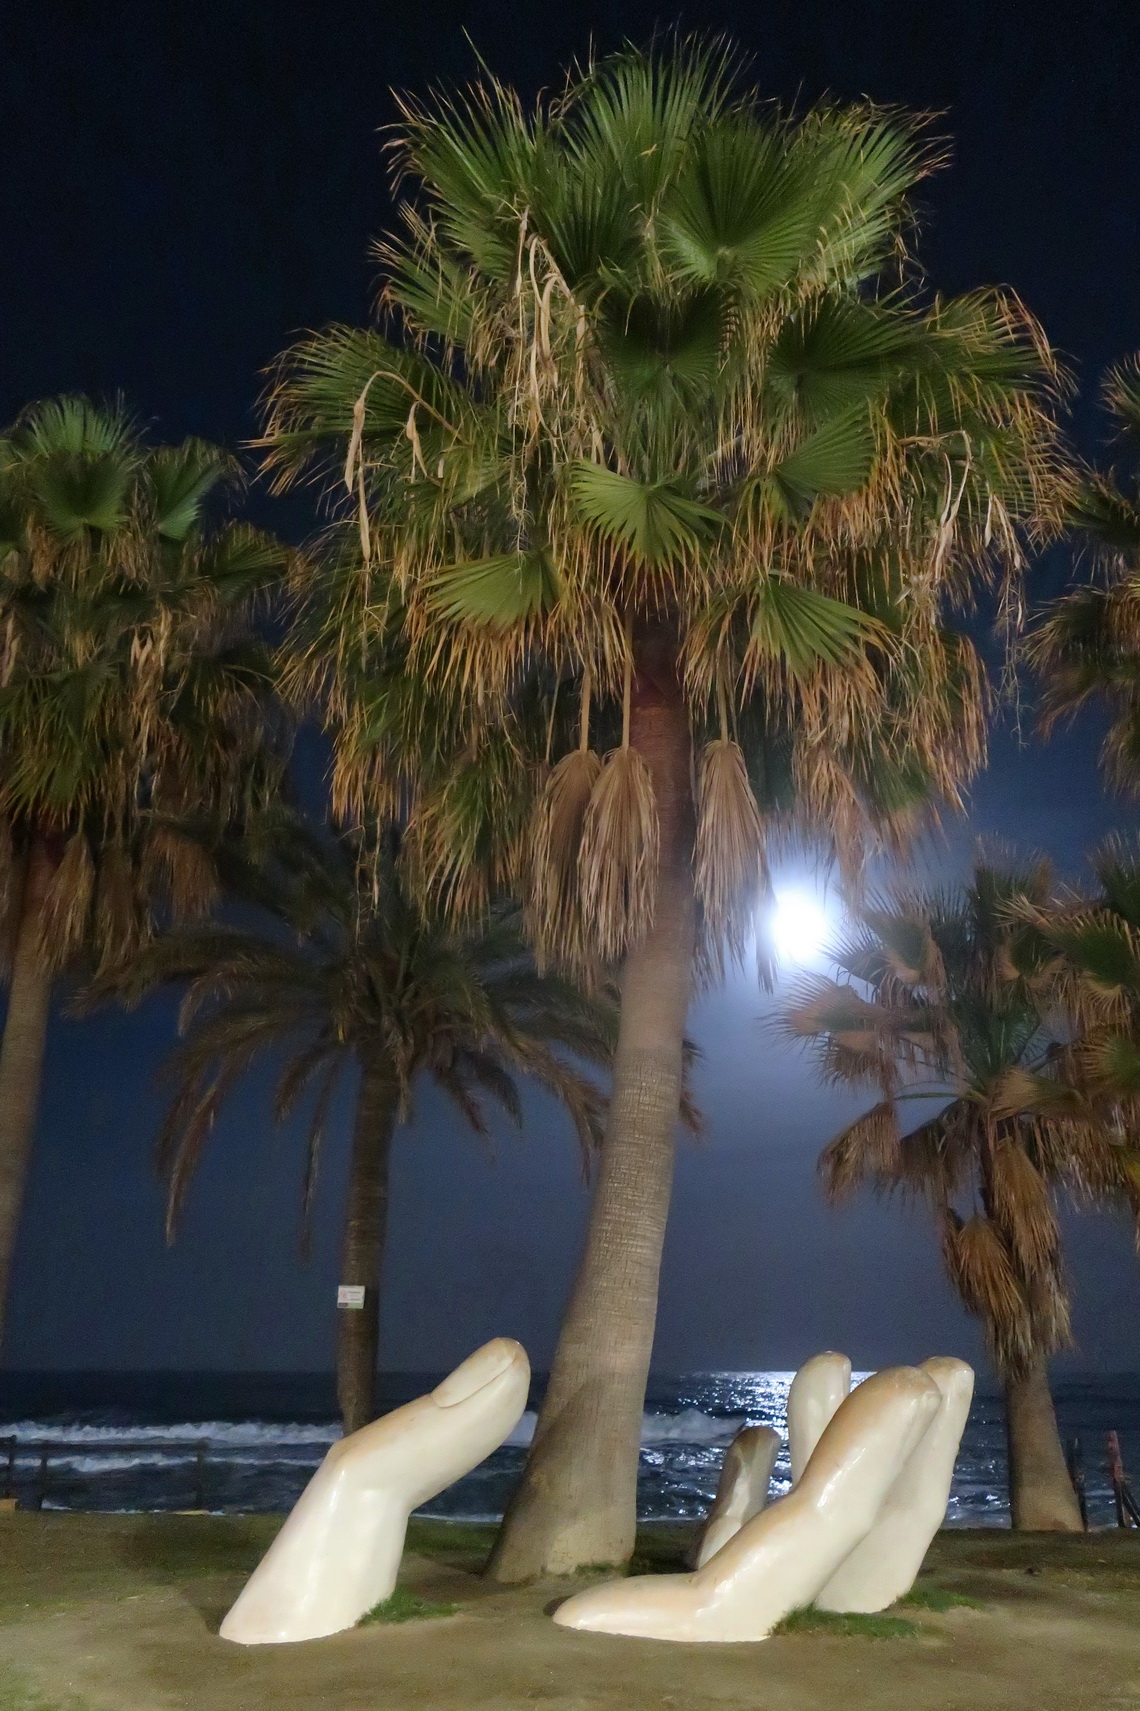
883	1567
742	1490
817	1390
338	1553
782	1558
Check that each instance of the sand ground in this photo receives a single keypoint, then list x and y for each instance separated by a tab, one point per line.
120	1613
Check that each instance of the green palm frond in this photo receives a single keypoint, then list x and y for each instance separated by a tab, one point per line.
835	458
651	521
179	480
499	592
804	630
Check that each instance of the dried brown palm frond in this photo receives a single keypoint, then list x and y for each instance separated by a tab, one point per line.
619	853
556	848
857	1042
1019	1091
826	796
867	1152
177	870
67	909
984	1275
1093	1155
120	920
1021	1207
730	870
936	1159
820	1007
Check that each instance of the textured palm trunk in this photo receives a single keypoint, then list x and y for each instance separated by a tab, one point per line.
362	1257
576	1503
22	1055
1041	1495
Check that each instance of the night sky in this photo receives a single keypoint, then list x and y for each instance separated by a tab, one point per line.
186	186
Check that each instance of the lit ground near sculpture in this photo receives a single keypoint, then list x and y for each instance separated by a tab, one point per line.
120	1613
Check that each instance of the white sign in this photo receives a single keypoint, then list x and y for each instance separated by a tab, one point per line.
350	1295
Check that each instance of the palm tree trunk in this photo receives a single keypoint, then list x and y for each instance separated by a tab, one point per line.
576	1503
1041	1495
365	1225
22	1054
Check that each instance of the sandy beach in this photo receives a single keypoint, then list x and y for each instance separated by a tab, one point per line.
120	1613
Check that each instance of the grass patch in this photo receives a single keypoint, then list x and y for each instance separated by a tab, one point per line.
848	1624
937	1598
404	1606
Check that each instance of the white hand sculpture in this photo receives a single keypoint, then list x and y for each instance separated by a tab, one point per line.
817	1390
783	1557
742	1490
339	1551
883	1567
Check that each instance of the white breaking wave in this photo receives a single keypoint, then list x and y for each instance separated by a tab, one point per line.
290	1443
251	1441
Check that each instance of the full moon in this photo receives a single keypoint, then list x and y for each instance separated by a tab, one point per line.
799	926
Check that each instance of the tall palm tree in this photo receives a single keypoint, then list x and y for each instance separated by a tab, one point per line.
659	453
941	997
132	689
340	969
1087	647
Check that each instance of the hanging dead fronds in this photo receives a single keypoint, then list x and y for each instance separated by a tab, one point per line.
729	866
1020	1203
619	853
177	873
67	907
982	1271
556	849
867	1152
120	919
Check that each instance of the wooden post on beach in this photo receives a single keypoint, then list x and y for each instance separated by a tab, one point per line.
1127	1509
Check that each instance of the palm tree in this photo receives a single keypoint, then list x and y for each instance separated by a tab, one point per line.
941	997
1087	648
341	969
660	453
132	689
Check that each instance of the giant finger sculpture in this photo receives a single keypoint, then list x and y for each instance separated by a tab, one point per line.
742	1490
782	1558
816	1392
338	1553
883	1567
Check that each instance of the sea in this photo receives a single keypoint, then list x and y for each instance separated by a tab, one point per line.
248	1442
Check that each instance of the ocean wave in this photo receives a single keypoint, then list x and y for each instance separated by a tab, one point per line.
254	1433
689	1426
79	1445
